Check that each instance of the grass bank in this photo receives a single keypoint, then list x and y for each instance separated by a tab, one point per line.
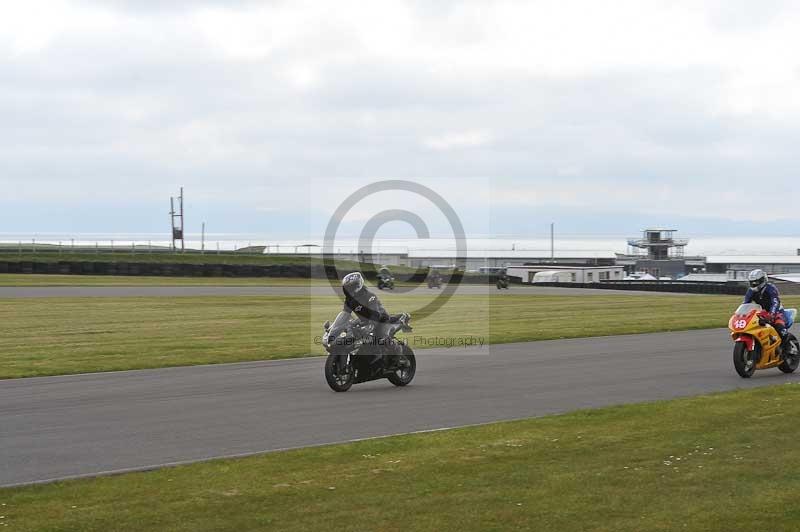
50	336
712	463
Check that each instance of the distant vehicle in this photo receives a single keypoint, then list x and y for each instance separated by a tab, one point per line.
491	270
434	279
552	276
385	279
502	280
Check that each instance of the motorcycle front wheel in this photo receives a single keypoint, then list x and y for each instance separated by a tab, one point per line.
790	363
407	367
743	360
339	378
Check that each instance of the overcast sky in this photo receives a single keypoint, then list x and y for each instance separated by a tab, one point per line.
601	116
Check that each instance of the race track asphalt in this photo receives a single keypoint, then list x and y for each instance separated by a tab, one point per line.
82	425
13	292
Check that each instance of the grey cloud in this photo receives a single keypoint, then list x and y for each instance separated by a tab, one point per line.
156	7
134	116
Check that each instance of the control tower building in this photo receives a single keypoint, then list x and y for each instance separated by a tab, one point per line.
658	253
660	244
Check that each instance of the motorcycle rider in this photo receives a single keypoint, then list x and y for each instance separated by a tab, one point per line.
764	293
367	306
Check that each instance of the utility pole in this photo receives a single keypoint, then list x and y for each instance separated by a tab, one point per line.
203	238
552	243
172	221
176	221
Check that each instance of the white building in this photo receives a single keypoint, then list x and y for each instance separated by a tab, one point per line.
737	266
550	273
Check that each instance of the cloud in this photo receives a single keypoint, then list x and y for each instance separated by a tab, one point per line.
460	139
675	108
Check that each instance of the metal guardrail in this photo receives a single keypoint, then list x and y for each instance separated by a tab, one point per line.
694	287
734	288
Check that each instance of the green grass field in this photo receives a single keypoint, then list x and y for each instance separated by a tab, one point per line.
74	335
720	463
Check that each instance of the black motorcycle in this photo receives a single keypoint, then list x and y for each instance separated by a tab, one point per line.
385	279
355	355
502	282
434	280
385	282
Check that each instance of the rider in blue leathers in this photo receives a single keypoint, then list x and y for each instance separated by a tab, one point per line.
764	293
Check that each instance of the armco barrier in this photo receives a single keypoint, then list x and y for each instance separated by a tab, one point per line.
160	269
729	288
319	271
163	269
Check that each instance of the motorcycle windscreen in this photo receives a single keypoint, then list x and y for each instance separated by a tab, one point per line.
746	308
340	323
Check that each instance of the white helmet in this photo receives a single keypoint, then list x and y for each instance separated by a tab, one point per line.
757	279
353	282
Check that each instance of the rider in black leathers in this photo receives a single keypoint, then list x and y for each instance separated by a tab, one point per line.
367	306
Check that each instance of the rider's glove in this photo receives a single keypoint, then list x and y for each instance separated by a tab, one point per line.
402	317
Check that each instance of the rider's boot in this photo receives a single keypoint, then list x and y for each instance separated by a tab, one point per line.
393	352
786	346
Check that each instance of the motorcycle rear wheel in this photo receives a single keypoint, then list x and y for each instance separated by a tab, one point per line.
743	360
408	368
790	364
338	380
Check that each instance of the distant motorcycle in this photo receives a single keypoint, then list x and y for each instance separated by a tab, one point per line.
757	345
352	349
385	283
385	279
502	282
434	280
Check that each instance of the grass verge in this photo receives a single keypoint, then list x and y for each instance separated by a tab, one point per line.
48	336
711	463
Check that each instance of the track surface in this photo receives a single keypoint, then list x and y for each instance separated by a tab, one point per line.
178	291
56	427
